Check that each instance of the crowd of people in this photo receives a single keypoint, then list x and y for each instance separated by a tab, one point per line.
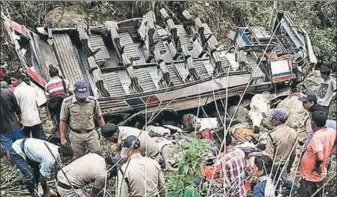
263	151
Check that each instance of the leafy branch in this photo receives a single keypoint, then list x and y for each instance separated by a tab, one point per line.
190	159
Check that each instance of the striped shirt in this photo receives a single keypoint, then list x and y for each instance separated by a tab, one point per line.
55	87
233	169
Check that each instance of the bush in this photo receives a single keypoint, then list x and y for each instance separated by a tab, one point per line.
190	159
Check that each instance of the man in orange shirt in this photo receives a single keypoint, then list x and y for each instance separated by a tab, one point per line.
313	165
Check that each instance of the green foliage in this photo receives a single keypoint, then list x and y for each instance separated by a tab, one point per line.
319	20
190	160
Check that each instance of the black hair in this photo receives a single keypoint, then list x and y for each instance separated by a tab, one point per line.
316	108
319	118
294	88
18	75
114	161
131	142
108	160
219	137
264	163
325	70
108	130
53	139
228	139
66	151
53	72
229	123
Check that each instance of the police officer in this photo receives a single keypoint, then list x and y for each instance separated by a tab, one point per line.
79	112
131	176
116	134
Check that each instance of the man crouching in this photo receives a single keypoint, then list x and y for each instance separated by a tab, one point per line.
131	176
44	158
74	177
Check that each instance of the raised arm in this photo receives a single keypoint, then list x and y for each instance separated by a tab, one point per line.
69	87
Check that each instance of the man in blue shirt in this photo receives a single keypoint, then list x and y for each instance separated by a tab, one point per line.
43	158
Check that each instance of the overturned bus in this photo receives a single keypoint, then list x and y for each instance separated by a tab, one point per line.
152	63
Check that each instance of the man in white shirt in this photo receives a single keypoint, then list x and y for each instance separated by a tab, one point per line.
327	89
26	97
43	158
259	107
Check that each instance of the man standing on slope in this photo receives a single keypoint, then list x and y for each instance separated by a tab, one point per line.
10	131
313	168
79	112
327	89
26	96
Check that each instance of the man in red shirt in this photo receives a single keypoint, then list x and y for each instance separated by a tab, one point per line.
56	90
313	165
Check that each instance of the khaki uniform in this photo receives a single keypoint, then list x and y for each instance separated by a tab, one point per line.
166	149
297	114
87	169
147	144
139	177
81	120
280	142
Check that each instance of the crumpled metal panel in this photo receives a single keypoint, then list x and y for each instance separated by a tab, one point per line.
48	55
67	58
